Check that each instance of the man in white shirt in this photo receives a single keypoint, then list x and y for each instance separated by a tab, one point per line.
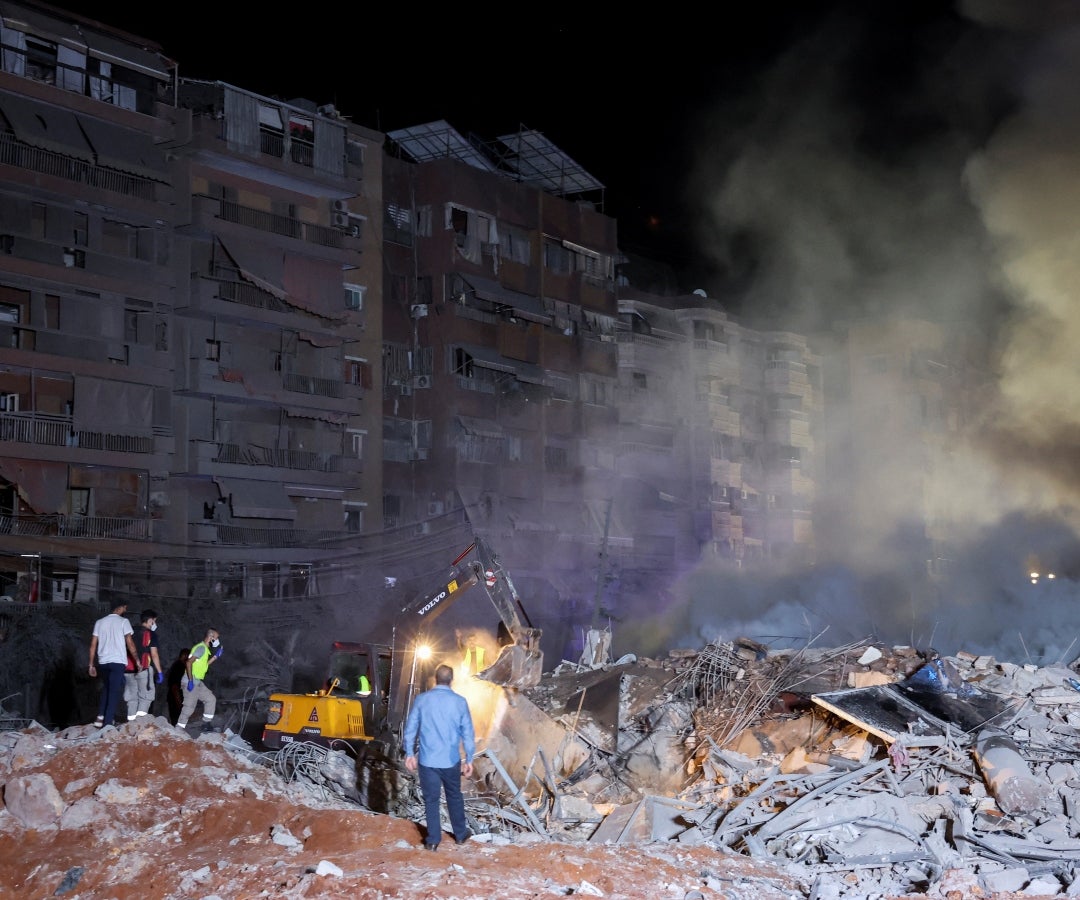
109	648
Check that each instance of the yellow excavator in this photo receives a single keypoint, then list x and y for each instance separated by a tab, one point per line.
371	686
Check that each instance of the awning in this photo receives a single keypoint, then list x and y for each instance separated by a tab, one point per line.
525	305
481	427
256	499
119	53
124	149
41	485
262	268
488	358
314	285
45	127
29	20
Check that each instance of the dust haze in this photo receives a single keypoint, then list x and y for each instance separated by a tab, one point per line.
876	177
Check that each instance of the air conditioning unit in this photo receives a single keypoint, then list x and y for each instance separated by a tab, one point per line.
353	231
421	381
341	220
418	310
435	508
423	528
340	206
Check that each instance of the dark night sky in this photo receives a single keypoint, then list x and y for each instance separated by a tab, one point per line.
626	97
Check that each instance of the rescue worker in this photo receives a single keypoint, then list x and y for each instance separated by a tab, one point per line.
140	688
200	658
363	686
473	658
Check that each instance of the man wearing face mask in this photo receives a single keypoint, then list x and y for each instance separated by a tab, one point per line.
140	680
200	658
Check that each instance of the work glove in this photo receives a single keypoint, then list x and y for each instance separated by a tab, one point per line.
218	652
191	684
160	677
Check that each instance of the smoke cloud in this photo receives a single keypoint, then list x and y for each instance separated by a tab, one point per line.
872	186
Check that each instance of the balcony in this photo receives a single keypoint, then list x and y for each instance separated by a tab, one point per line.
48	162
87	527
301	460
313	384
56	431
238	535
273	223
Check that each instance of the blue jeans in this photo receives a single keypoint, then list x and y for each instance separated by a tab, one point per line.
112	692
432	783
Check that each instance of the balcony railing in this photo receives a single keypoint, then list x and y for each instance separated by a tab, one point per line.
312	384
47	162
56	431
276	224
89	527
217	533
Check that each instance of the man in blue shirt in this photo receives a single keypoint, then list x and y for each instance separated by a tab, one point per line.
441	725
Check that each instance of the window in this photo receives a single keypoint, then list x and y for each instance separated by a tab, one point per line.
398	224
357	371
556	458
354	297
213	350
301	139
271	131
640	380
74	258
80	230
40	59
462	362
9	312
514	244
356	442
354	517
423	221
557	258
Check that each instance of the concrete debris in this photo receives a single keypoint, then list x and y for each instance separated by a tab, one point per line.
863	770
875	769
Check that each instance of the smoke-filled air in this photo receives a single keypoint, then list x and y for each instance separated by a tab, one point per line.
910	189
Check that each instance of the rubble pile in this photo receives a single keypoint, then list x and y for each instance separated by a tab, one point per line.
872	770
858	771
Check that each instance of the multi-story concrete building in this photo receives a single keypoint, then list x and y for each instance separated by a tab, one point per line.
189	324
735	414
500	355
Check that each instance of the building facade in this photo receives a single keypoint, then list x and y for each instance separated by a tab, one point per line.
189	324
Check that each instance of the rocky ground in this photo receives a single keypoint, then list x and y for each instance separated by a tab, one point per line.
144	811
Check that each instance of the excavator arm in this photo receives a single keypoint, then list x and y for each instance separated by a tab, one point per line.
520	662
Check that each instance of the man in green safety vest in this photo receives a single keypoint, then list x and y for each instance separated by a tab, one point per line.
200	658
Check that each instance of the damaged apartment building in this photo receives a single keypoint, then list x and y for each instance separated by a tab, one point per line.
241	336
600	434
189	323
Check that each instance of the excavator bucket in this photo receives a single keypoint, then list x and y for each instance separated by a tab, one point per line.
516	667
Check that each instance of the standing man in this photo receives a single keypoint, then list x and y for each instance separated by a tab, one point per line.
441	724
200	658
109	647
139	687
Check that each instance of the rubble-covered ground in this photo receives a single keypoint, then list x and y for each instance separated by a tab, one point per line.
730	771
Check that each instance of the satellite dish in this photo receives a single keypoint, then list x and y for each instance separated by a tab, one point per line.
701	293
